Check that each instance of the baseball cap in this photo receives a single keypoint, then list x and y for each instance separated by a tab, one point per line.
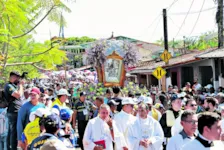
56	110
15	73
35	90
40	112
82	94
148	100
63	92
112	103
141	98
52	121
174	97
181	95
65	114
128	100
208	86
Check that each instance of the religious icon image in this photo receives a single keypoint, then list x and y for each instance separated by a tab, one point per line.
113	70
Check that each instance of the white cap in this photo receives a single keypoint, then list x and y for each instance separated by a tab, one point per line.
182	94
40	112
141	99
148	100
56	111
63	92
208	86
128	100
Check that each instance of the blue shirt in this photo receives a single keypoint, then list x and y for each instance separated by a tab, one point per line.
23	116
105	100
3	122
95	113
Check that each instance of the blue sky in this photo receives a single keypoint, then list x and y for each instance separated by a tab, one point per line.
139	19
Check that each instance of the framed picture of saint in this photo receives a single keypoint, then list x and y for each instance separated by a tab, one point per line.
113	71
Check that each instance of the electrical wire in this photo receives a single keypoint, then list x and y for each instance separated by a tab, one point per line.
185	18
193	12
198	17
168	8
173	22
143	32
155	28
154	20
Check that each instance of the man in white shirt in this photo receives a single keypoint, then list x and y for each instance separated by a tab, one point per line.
124	118
196	86
101	132
189	121
177	127
209	127
145	133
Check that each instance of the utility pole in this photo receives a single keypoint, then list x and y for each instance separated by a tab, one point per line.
219	18
165	30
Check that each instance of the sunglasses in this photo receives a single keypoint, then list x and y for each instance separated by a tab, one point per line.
193	105
191	122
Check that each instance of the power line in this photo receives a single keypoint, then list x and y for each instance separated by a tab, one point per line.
151	24
198	17
154	20
185	18
193	12
155	28
173	22
168	8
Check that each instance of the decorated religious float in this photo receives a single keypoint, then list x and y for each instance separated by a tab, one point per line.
111	59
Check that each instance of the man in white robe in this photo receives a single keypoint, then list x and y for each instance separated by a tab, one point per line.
146	133
124	118
209	127
102	131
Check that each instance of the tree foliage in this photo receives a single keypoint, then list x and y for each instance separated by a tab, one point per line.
18	20
79	40
204	41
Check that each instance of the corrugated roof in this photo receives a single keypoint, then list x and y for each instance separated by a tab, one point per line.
218	53
151	65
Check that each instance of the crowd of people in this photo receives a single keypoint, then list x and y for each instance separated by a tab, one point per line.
49	115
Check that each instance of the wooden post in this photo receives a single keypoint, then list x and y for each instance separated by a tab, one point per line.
219	18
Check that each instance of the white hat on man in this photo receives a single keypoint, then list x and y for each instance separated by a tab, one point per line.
128	100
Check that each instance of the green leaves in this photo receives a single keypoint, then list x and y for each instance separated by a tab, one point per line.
18	18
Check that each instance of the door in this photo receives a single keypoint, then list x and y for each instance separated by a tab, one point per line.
174	78
187	75
206	75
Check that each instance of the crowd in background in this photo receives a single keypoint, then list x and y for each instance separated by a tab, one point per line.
50	113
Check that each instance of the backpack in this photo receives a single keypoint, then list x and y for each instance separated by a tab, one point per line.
3	122
3	102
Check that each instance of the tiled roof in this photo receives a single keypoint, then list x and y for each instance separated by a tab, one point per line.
217	53
151	65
